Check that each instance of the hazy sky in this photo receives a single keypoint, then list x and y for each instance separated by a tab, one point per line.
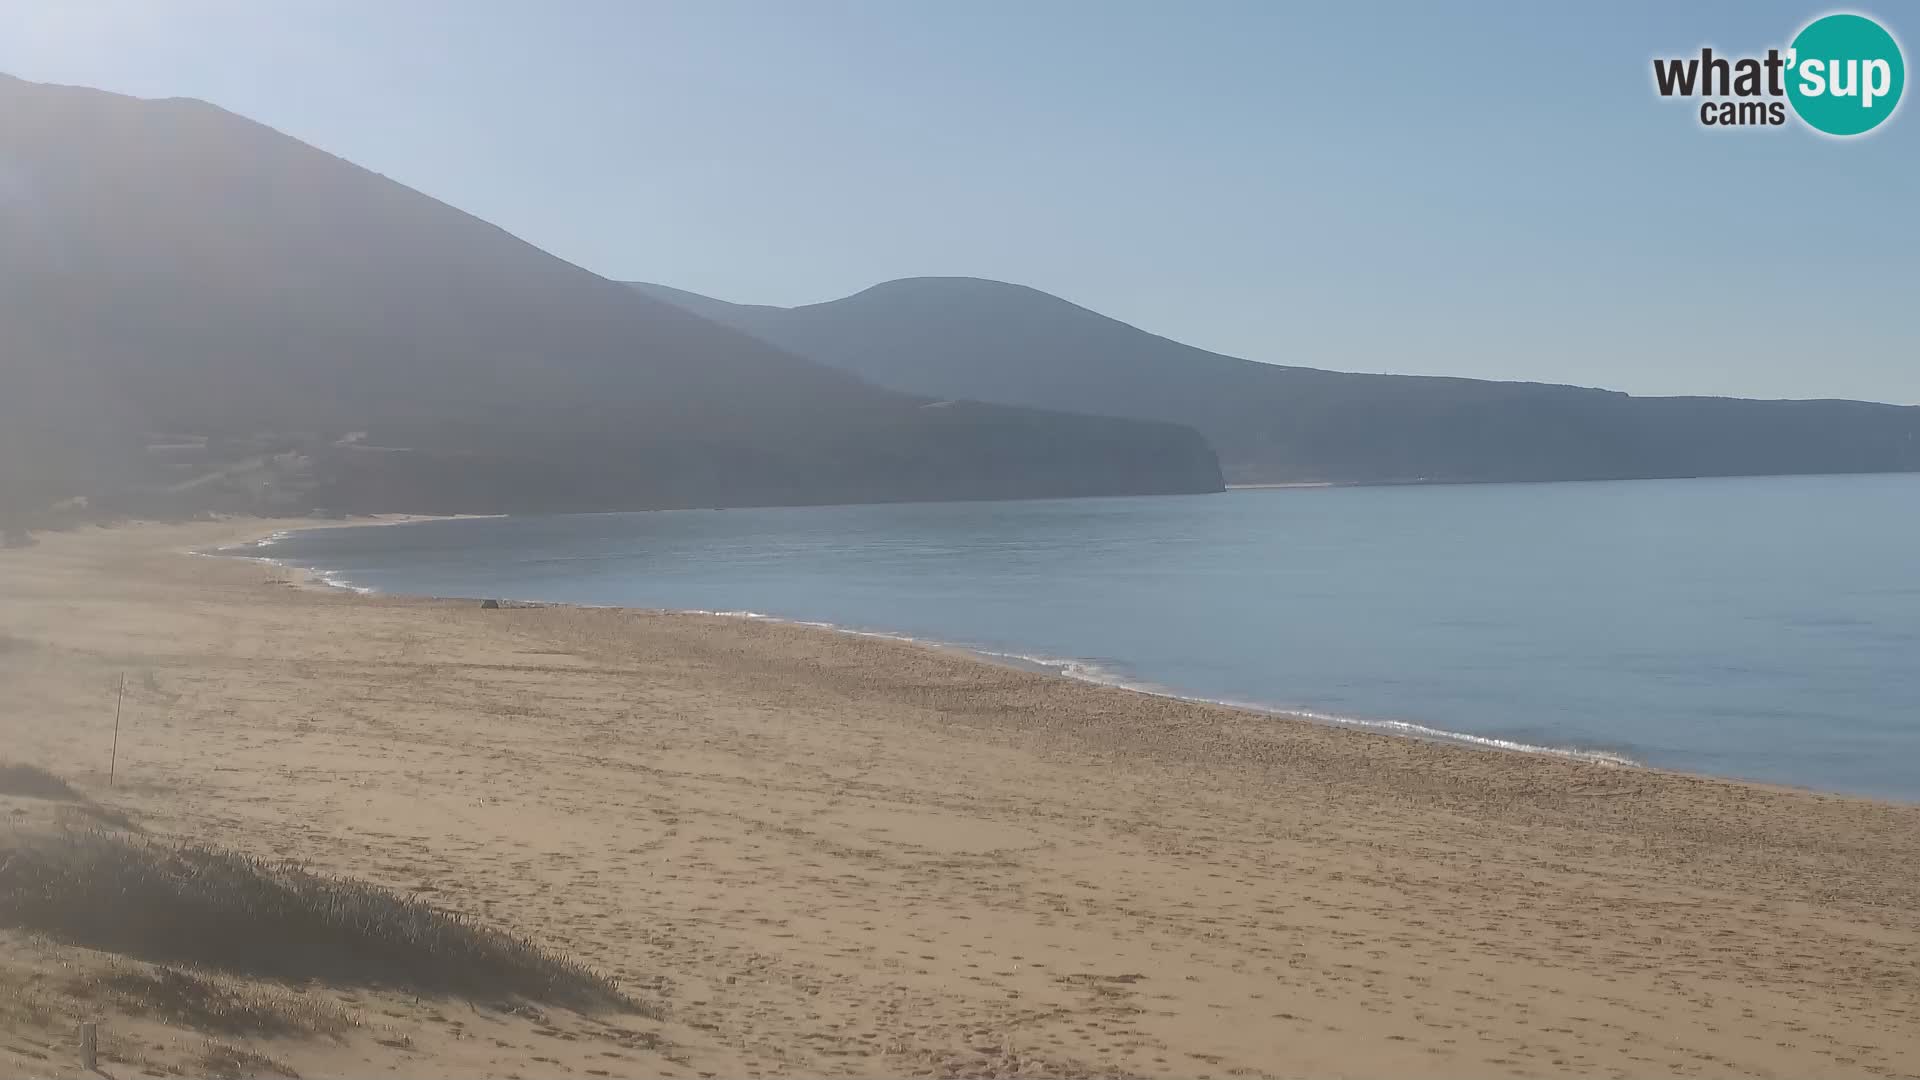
1493	192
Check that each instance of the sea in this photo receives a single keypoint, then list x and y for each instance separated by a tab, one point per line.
1763	628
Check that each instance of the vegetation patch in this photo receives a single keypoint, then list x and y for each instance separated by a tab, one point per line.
34	782
224	1062
190	999
186	904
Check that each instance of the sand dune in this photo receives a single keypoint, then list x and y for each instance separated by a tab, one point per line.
831	855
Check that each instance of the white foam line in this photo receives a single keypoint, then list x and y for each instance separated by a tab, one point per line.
332	578
835	627
1082	670
1091	672
329	578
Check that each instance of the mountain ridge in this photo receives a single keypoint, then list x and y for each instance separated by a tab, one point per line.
995	341
169	266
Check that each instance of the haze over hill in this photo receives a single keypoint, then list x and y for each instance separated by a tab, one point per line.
169	267
991	341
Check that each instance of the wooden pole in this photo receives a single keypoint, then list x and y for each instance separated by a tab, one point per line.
89	1048
113	763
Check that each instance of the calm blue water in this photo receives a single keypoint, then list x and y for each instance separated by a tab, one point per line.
1765	628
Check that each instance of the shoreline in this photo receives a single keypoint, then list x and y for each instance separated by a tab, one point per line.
312	576
824	854
1055	667
312	579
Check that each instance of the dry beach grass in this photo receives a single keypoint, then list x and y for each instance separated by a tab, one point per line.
186	903
808	853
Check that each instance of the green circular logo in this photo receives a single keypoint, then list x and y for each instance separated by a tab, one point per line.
1845	74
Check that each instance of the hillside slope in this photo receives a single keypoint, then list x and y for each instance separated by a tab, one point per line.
971	338
169	267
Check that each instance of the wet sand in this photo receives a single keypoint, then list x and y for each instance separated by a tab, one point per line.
834	855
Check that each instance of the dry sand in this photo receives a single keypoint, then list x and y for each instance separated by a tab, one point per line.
832	855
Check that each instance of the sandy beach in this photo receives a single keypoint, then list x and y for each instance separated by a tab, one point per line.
822	854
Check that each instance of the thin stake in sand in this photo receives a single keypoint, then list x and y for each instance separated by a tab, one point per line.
113	762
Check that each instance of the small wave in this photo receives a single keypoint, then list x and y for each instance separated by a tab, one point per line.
266	541
333	579
234	551
1421	731
1089	671
835	627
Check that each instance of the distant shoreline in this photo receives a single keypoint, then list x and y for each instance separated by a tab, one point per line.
1469	482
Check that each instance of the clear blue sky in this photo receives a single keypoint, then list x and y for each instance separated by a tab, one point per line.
1494	191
